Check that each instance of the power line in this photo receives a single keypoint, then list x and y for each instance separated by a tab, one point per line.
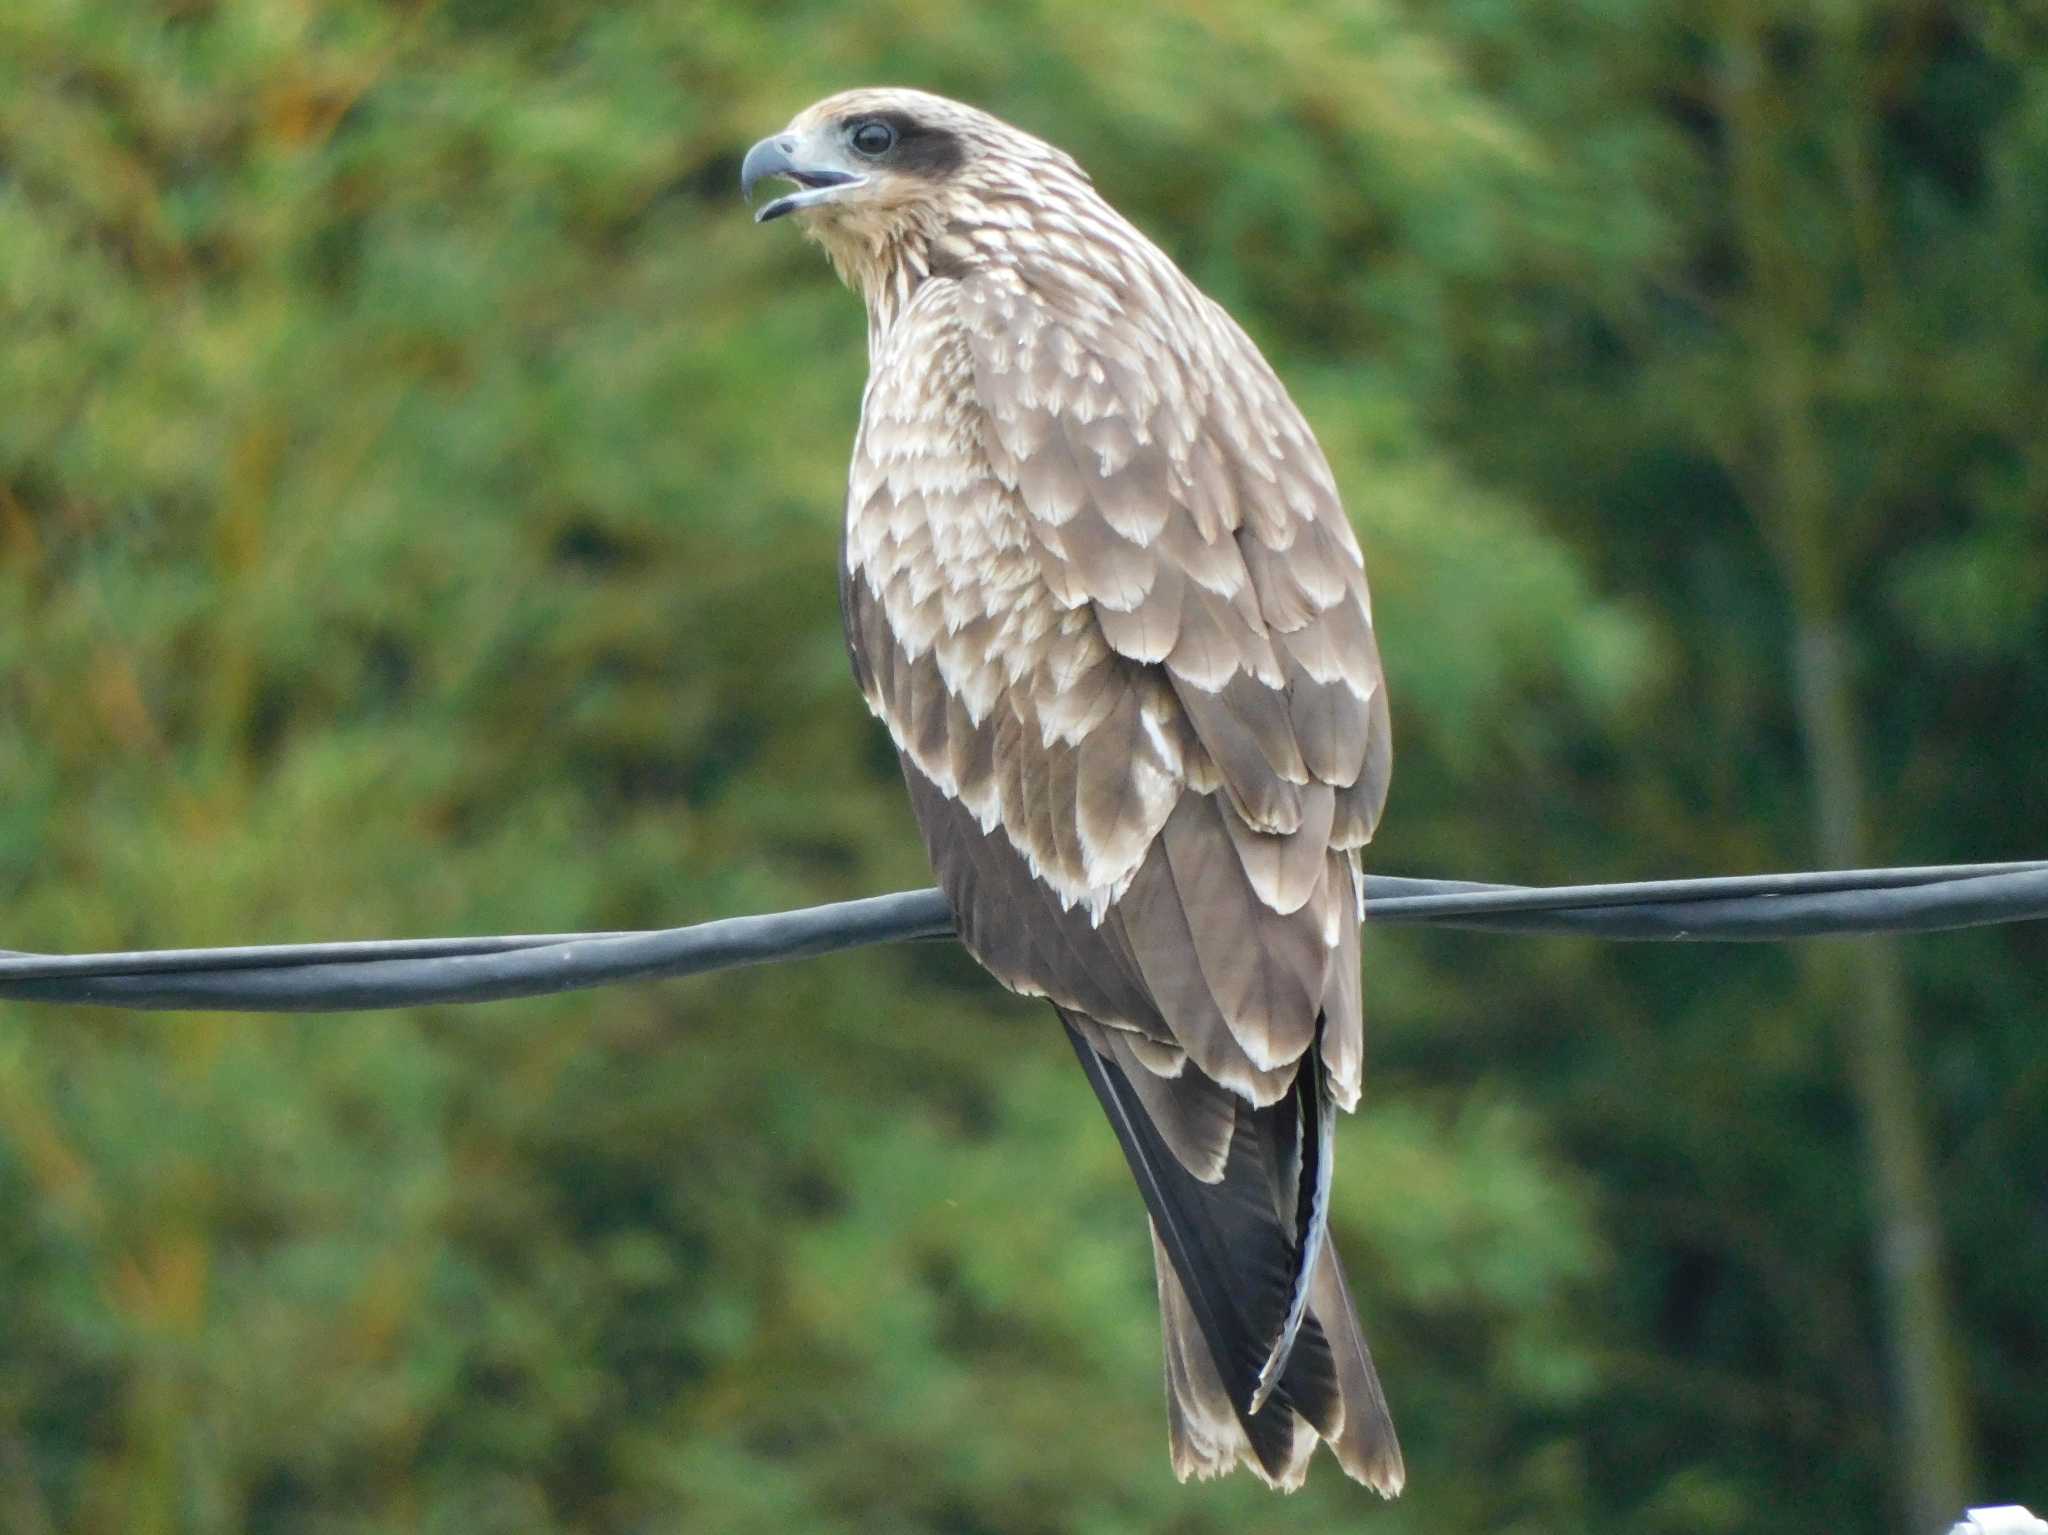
347	977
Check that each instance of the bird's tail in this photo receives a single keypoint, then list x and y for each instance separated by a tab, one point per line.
1265	1357
1208	1436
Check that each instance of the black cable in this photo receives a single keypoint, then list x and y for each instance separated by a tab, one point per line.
341	977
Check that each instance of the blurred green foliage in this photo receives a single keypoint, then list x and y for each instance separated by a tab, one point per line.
419	486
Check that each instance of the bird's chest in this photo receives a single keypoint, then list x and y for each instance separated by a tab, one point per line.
937	538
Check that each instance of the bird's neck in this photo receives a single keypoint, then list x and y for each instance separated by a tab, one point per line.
885	262
892	284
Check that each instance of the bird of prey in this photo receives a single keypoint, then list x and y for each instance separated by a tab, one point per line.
1098	585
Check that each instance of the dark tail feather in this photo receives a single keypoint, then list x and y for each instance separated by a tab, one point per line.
1207	1438
1300	1179
1365	1445
1251	1370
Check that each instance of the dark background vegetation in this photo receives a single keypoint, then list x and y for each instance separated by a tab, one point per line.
419	485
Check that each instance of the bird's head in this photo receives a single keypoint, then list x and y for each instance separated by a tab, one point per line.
879	174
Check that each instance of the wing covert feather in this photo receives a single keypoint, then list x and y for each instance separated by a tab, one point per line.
1110	607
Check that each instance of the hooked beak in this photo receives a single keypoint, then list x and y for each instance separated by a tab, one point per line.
778	157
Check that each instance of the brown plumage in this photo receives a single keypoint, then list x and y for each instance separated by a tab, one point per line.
1099	586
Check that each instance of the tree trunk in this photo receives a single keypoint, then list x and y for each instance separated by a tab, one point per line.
1864	980
1794	492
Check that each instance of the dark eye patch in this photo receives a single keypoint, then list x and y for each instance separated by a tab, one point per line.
920	148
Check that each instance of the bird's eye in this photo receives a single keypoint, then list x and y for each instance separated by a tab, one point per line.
873	137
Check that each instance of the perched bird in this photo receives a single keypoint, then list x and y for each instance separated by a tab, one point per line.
1098	585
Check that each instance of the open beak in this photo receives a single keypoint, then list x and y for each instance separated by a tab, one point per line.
779	157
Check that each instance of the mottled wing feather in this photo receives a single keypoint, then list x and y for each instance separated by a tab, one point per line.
1209	546
1118	573
1343	1005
